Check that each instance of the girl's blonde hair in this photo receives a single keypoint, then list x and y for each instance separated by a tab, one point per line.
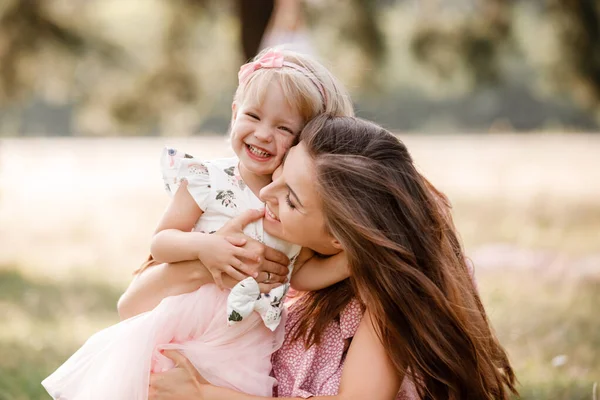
311	89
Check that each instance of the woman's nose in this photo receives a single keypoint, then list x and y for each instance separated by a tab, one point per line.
268	192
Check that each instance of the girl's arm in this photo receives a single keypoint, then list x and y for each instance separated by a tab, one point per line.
173	240
158	281
368	374
312	272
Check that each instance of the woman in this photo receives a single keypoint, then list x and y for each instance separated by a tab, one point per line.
350	185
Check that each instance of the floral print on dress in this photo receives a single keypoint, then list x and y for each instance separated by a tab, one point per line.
229	171
227	198
234	177
197	169
317	371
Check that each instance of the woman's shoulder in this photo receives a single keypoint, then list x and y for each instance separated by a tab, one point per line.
350	318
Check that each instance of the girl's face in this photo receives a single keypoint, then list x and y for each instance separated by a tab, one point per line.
262	132
293	209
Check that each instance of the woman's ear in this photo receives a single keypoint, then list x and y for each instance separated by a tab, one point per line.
336	244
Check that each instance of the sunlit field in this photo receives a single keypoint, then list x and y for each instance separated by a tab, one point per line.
76	217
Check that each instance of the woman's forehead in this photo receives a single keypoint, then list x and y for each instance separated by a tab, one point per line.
299	173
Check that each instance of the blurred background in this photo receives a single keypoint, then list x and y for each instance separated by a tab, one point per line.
498	100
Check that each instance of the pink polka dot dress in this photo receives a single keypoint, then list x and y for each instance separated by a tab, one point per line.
317	371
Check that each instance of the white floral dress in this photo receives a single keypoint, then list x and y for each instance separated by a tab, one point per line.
219	191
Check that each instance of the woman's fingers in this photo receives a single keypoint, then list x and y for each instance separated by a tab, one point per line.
181	361
265	277
178	358
276	256
274	268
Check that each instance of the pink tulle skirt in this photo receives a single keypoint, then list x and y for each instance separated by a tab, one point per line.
116	362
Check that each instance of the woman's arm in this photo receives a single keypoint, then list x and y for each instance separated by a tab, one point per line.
157	282
368	371
149	287
319	272
368	374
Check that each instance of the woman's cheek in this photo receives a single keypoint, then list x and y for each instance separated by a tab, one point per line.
287	223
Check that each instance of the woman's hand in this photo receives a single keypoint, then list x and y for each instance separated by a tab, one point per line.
271	268
183	382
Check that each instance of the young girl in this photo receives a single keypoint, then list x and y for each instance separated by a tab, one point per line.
229	336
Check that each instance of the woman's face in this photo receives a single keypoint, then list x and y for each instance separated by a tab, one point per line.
293	209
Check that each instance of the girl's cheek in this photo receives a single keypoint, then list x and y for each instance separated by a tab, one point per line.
287	144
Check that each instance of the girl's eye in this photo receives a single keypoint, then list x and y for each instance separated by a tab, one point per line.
285	128
289	201
253	116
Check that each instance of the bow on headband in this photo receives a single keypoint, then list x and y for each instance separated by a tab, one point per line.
274	59
245	298
271	59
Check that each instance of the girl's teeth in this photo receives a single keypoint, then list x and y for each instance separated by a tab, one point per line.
258	152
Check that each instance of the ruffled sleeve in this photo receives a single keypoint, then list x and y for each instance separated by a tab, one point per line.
177	166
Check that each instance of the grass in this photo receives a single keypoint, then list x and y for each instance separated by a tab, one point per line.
542	321
536	320
43	322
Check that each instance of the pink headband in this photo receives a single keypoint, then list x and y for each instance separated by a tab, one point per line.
274	59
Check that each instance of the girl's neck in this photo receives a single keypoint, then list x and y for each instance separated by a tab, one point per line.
254	181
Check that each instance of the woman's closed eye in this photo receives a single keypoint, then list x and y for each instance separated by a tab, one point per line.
288	200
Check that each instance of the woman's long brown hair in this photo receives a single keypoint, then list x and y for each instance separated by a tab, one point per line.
406	262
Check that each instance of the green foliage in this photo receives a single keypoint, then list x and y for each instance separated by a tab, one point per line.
578	70
43	323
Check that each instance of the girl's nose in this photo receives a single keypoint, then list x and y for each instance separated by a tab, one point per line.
264	135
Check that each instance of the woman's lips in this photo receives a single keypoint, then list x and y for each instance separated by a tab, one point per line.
269	214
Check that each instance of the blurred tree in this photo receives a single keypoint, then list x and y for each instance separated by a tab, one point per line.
29	31
363	29
578	67
353	28
473	44
50	44
172	85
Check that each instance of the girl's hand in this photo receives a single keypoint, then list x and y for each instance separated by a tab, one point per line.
182	382
222	255
271	269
